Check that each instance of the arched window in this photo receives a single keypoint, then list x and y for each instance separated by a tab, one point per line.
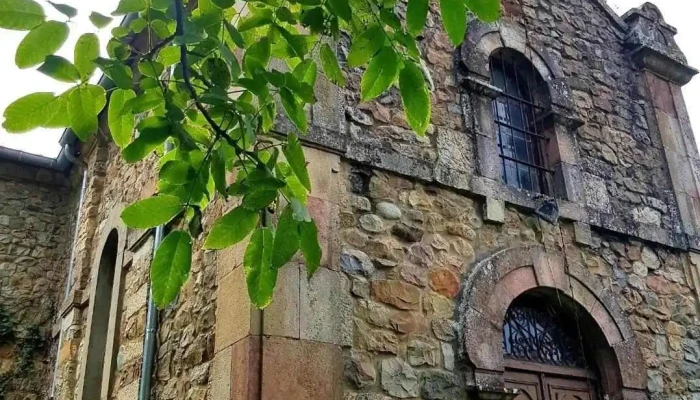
99	325
518	112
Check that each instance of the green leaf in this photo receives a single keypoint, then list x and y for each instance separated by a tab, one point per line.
297	43
387	16
64	9
259	199
313	19
366	45
269	113
380	74
310	248
416	15
217	72
415	96
177	172
169	56
259	275
231	228
59	69
295	157
235	35
454	19
130	6
153	131
294	110
171	267
294	187
87	50
29	112
100	21
306	72
255	21
121	125
60	119
223	4
485	10
117	72
231	60
286	239
40	42
257	55
341	8
218	173
20	15
84	105
151	212
330	66
145	101
152	69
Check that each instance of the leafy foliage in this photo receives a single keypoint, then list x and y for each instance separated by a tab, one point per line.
203	96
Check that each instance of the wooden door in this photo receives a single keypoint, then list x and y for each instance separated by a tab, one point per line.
528	385
540	386
569	389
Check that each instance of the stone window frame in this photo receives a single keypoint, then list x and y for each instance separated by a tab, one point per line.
482	40
112	223
495	282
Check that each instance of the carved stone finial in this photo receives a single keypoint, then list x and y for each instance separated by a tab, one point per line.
652	44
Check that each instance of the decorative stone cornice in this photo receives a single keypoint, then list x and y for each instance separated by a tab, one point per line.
653	47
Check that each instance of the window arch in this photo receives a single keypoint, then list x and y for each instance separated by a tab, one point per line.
519	112
99	338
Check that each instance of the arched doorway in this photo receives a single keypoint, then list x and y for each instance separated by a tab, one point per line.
521	283
546	353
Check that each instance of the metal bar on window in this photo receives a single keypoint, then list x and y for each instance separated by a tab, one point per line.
527	164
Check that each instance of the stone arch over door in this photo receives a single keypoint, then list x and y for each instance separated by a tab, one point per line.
498	280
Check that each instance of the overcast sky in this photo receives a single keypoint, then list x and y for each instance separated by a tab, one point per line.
15	83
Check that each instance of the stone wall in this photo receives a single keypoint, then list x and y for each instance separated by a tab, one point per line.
185	337
35	232
408	249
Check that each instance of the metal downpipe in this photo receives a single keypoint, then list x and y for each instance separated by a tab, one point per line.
149	340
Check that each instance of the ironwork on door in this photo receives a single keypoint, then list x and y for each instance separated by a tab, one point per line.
545	358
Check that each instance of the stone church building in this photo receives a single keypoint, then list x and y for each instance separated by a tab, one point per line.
542	242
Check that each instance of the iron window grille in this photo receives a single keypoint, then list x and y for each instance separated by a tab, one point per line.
518	112
535	332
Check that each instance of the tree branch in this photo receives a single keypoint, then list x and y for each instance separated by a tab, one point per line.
186	75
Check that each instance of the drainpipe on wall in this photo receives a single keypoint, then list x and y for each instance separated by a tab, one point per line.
68	154
149	340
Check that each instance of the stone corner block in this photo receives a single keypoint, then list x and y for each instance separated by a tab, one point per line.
325	308
236	318
494	211
300	369
582	234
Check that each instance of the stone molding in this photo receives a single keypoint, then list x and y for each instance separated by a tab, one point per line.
498	280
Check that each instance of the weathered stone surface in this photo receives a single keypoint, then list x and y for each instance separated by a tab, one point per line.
444	282
389	211
439	385
398	294
355	262
407	233
360	370
36	217
371	223
421	351
399	379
